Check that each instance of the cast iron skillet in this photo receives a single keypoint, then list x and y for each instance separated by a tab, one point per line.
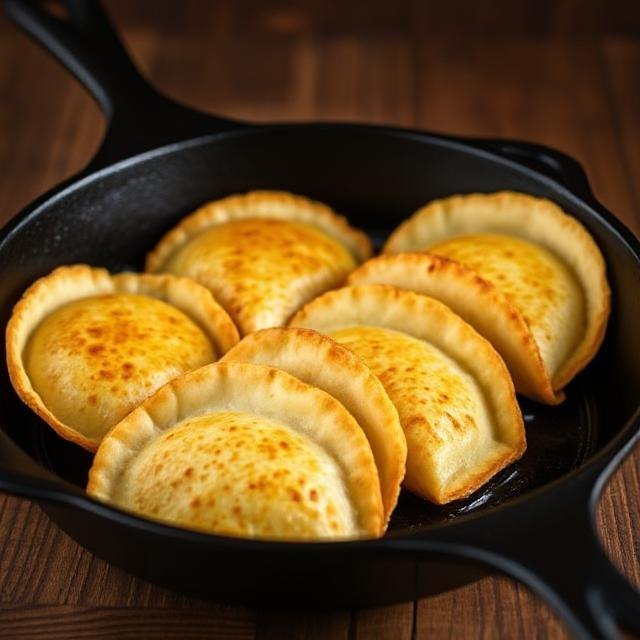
160	160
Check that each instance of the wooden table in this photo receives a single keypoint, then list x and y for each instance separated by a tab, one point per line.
568	80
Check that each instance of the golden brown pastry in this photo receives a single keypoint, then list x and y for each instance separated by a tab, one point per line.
477	301
538	266
262	254
84	347
453	392
243	450
321	362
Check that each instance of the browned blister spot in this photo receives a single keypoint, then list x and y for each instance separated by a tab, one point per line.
127	370
96	349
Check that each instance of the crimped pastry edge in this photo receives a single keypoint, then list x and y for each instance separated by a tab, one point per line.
69	283
279	205
538	220
190	395
477	301
402	311
320	361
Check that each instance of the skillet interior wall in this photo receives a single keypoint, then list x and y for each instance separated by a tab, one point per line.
375	178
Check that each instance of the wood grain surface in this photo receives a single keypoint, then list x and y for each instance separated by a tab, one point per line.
548	72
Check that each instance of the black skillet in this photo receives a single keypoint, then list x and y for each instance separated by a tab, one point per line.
159	160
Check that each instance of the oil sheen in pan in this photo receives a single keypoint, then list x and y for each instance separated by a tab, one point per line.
558	439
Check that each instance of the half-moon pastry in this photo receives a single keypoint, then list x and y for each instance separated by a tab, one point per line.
453	392
474	299
243	450
544	263
263	254
84	347
321	362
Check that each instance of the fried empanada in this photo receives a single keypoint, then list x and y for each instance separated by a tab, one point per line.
84	347
545	264
243	450
263	254
453	392
474	299
321	362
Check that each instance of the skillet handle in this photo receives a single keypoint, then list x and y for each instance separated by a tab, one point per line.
549	542
139	118
545	160
21	476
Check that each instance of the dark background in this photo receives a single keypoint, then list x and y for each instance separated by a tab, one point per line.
550	71
564	73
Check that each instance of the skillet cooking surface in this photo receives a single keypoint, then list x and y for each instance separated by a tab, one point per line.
112	221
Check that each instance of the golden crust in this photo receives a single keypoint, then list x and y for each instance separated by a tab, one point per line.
278	205
534	219
491	441
245	393
70	284
476	301
321	362
262	254
188	296
262	271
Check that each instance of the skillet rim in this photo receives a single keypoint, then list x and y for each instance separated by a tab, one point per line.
596	469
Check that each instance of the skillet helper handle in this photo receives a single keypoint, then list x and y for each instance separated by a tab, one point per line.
551	544
139	118
550	162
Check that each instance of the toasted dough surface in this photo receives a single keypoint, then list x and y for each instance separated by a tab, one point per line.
321	362
477	301
453	393
84	348
263	254
273	205
239	474
243	449
95	359
262	271
534	220
534	281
